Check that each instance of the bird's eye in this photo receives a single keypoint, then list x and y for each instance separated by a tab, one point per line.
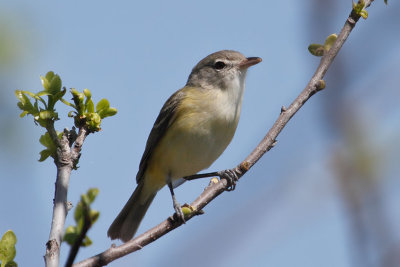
219	65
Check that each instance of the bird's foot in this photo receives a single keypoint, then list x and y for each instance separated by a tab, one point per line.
178	212
231	177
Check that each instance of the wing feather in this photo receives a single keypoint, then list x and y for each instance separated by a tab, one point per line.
164	120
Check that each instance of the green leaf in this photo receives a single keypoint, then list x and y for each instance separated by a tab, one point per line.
79	210
92	194
43	93
60	94
51	148
7	248
23	113
70	235
102	105
45	83
94	215
24	100
44	154
68	103
55	84
49	75
11	264
108	113
90	106
385	2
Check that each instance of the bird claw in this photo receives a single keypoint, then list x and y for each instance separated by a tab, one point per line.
179	213
231	177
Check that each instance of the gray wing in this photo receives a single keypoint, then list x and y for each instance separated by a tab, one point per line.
162	123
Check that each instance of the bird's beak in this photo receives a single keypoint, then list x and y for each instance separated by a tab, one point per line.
250	61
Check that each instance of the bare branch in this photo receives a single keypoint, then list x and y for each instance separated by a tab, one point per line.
214	189
65	161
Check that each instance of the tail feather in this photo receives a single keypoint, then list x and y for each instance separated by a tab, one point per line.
128	220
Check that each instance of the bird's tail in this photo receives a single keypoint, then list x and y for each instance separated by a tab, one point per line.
128	220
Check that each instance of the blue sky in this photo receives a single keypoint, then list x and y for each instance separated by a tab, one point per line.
288	210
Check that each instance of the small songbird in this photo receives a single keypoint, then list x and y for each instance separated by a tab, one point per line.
193	128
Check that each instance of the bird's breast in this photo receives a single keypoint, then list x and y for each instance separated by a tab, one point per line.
205	123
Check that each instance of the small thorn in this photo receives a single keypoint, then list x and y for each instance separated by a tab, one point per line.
274	143
200	212
69	205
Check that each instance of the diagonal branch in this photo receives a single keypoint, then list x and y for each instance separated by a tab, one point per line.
215	189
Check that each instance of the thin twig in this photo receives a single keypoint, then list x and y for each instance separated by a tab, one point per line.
87	223
316	84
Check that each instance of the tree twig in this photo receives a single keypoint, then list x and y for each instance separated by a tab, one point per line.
65	161
315	84
87	223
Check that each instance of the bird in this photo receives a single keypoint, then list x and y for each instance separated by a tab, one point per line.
193	128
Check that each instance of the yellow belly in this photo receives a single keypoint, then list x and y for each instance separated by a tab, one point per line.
199	135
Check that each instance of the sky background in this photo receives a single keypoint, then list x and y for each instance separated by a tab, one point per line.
292	208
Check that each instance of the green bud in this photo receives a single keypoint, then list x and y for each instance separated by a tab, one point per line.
44	154
187	210
74	92
316	50
364	14
7	248
46	115
329	41
87	93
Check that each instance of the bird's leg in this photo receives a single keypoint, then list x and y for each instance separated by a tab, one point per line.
230	175
201	175
177	206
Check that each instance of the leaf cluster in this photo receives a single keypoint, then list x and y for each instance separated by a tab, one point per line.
43	111
46	112
359	9
85	112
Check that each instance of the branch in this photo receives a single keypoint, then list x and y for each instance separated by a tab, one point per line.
87	223
65	161
215	189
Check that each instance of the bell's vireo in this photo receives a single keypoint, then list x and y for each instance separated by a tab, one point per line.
193	128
